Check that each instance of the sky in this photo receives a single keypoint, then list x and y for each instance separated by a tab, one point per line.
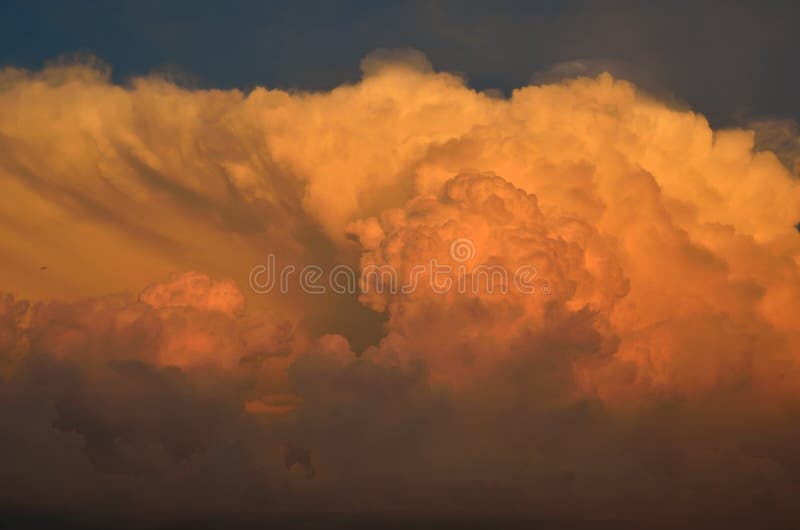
728	61
400	263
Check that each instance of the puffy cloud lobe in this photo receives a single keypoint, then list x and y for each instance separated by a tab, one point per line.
195	290
480	310
187	321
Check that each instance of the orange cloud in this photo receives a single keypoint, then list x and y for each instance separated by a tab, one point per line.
657	351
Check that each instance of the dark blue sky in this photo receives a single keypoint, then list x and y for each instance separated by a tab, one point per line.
728	61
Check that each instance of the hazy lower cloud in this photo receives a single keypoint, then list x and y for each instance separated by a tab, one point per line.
654	380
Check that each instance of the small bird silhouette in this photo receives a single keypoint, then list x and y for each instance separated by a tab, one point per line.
45	267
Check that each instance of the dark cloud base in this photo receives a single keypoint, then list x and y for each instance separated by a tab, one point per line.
29	519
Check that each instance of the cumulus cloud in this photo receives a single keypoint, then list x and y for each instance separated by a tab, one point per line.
650	371
475	316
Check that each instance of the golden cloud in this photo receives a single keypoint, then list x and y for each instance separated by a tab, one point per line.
667	337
